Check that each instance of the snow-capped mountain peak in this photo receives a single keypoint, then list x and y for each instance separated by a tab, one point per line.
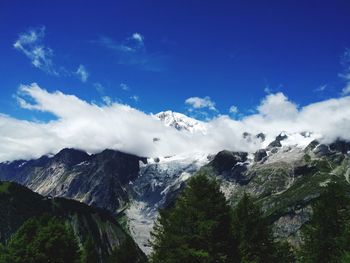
181	122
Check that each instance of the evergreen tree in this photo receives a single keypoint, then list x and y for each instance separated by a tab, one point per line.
254	235
40	241
197	228
326	236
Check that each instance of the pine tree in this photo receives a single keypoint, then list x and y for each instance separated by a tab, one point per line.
326	236
254	235
42	240
197	228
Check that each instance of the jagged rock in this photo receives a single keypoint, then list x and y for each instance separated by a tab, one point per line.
340	146
312	145
288	226
277	141
259	155
305	134
322	150
71	157
273	149
97	179
238	174
261	136
226	160
246	135
281	137
274	144
304	170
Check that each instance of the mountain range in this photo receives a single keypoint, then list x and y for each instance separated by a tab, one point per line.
285	177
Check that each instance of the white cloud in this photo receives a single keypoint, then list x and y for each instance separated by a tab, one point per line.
107	100
199	103
132	51
99	87
345	61
30	43
123	86
82	73
267	90
346	77
321	88
346	90
135	98
233	109
93	127
138	37
277	106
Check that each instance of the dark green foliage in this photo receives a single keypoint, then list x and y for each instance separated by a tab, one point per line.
127	252
307	158
95	229
254	235
326	236
89	253
17	204
345	258
197	228
41	240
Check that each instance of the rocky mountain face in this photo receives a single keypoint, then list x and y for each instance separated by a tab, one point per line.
159	183
285	180
98	179
17	204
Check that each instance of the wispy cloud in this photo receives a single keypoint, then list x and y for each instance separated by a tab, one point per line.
233	109
135	98
138	37
200	103
99	87
321	88
346	89
82	73
107	100
345	61
267	90
123	86
30	43
132	51
201	108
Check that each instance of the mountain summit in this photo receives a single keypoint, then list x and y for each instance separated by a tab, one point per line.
181	122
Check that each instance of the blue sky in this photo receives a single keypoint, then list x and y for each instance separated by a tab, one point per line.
155	55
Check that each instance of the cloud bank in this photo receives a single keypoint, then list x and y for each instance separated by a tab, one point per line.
91	127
